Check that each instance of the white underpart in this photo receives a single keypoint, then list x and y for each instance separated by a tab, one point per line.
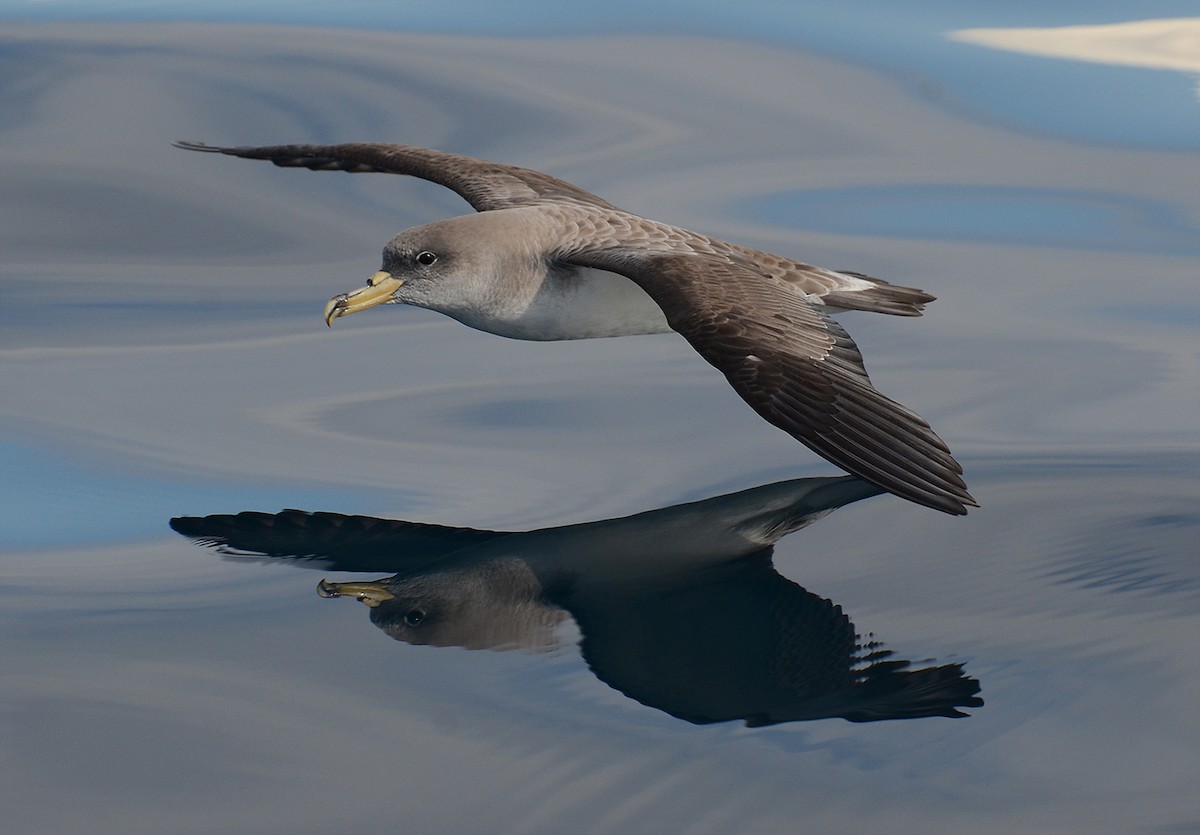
582	304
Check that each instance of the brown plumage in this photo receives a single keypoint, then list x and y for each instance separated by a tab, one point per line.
538	263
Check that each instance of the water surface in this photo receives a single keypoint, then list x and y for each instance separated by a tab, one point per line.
163	356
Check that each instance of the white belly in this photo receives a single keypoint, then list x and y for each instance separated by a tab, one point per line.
581	304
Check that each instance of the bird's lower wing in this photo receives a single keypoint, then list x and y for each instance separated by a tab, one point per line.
795	367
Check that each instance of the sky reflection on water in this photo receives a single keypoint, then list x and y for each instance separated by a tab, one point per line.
917	42
163	355
1004	215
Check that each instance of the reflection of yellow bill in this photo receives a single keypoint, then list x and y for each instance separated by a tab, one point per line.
372	593
379	290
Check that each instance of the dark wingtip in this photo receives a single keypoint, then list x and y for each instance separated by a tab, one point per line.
197	146
955	502
966	500
185	525
955	507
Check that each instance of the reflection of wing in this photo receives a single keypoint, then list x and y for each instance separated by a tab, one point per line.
330	540
485	185
797	368
742	642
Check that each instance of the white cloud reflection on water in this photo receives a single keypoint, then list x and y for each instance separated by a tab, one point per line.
144	680
1172	44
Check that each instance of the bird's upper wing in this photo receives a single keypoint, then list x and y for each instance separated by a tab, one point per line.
797	368
487	186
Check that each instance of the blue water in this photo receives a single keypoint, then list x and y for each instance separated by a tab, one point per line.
905	40
163	356
51	499
1030	216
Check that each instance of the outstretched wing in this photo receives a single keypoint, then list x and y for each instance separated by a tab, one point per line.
330	540
797	368
487	186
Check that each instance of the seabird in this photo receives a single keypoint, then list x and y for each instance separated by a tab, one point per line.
546	260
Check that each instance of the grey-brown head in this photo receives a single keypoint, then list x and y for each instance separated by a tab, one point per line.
464	267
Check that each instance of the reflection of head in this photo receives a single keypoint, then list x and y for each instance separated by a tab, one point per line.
492	605
710	644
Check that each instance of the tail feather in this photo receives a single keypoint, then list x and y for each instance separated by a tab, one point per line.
882	297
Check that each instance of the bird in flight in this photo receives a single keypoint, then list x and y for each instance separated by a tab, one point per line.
545	260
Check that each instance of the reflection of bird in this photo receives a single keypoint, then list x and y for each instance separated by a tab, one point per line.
679	608
547	260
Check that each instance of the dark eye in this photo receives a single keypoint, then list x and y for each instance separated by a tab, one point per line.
425	258
414	617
